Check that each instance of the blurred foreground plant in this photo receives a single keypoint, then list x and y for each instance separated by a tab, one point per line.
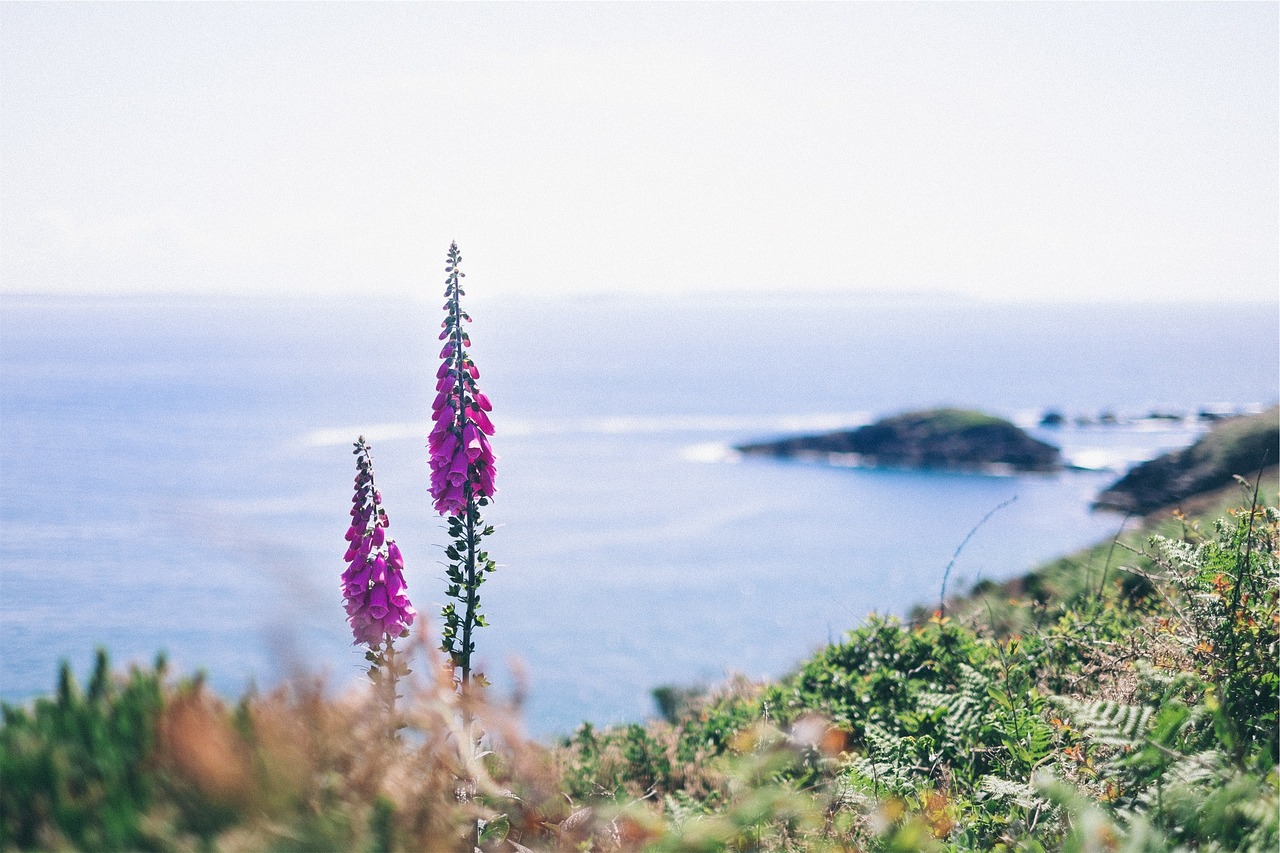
137	763
933	736
73	770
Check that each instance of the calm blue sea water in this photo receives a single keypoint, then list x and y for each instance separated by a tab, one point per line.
177	473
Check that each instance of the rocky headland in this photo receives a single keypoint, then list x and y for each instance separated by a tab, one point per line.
1237	447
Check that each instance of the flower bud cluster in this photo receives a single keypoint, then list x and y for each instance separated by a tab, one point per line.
377	599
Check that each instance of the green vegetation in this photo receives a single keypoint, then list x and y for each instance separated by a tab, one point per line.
1025	604
952	419
74	767
1123	699
1131	709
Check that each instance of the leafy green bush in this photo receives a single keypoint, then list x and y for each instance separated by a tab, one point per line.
75	768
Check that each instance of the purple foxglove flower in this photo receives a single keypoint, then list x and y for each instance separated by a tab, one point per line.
471	441
486	481
378	602
478	416
462	476
461	458
448	444
458	468
373	586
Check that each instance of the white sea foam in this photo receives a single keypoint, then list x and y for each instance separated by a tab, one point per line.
710	452
1101	459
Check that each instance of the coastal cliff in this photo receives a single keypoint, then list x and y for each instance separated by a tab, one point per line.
1240	446
936	439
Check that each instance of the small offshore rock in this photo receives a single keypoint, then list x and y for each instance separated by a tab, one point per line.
935	439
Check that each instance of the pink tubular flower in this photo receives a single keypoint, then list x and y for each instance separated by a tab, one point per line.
373	584
462	460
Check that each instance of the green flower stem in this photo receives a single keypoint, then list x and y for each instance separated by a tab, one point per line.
473	597
469	538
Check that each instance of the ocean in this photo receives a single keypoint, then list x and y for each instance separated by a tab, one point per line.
177	473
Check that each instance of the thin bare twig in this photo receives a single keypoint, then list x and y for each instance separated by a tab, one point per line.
942	597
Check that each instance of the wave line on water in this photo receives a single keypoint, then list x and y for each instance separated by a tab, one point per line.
611	425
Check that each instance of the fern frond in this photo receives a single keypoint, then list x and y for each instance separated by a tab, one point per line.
1019	793
1110	722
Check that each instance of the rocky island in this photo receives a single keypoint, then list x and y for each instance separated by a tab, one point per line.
937	439
1238	446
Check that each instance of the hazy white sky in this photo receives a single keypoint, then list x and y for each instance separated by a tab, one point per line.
1026	151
